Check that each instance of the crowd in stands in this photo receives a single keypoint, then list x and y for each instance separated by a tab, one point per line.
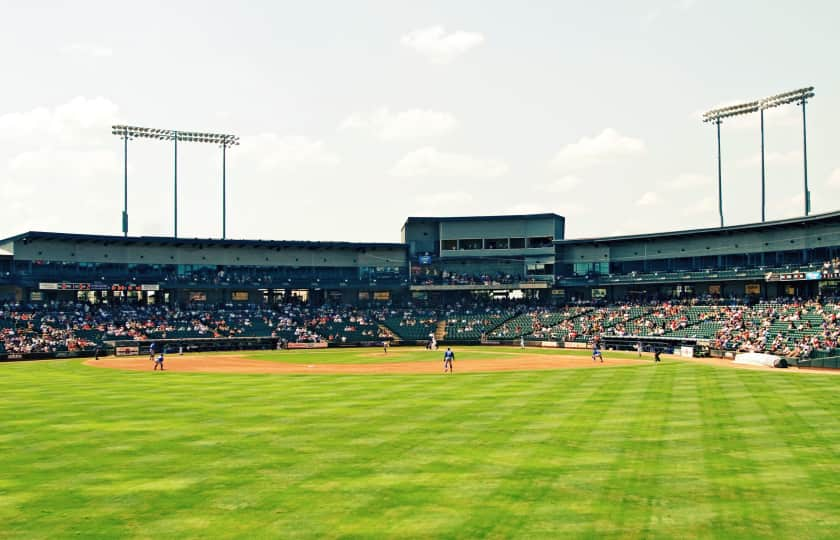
433	276
211	275
831	266
792	328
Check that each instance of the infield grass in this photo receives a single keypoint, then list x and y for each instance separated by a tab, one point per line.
678	450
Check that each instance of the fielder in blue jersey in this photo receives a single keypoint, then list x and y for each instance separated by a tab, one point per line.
596	353
448	358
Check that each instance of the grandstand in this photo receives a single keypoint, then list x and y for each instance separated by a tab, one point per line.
758	287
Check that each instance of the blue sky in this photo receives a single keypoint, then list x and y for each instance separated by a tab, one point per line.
355	115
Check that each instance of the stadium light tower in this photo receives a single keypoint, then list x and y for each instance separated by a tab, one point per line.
224	142
716	116
125	133
134	132
799	97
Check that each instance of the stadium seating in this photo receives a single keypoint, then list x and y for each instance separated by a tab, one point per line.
793	329
469	327
409	328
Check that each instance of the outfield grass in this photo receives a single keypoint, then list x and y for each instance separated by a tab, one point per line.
678	450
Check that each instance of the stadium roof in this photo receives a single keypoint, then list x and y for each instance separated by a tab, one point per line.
710	230
417	219
168	240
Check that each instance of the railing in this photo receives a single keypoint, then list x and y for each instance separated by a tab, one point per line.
168	281
670	276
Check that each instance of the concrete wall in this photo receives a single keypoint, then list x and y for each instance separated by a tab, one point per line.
497	228
196	253
792	237
421	237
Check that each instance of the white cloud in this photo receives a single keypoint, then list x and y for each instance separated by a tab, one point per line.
439	47
449	198
66	141
591	150
65	122
772	158
561	185
649	198
75	164
650	16
563	209
788	116
701	206
409	124
88	49
51	154
787	207
270	151
834	178
431	162
688	181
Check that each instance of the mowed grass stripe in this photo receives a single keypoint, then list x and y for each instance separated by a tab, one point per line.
735	432
677	449
810	434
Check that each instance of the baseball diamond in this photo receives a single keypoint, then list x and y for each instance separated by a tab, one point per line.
456	270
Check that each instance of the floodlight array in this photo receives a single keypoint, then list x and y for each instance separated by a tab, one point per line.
734	110
795	96
798	97
135	132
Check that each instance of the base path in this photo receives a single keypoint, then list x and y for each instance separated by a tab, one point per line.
237	363
232	363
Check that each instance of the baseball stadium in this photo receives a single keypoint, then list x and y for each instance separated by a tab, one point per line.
486	374
302	392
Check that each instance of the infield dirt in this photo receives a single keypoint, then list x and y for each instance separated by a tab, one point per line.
236	363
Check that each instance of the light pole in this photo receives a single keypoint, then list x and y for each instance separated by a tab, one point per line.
124	133
798	97
175	168
720	174
805	158
132	132
761	112
716	116
225	141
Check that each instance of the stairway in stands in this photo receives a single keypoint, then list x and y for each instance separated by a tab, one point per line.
384	330
440	331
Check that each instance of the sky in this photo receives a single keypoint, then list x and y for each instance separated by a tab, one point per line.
354	115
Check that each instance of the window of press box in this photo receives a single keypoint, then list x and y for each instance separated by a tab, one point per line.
517	243
470	243
539	269
540	241
496	243
449	245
